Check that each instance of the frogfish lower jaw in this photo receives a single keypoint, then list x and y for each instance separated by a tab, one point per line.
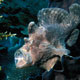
22	59
21	64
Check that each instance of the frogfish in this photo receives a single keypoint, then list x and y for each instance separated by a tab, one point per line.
47	41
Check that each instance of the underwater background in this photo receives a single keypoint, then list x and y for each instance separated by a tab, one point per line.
15	16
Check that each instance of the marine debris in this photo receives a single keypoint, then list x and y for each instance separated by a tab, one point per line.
47	40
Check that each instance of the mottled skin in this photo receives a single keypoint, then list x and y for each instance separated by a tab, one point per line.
42	52
47	40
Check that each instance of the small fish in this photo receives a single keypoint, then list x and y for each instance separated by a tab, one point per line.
1	1
1	16
5	35
0	68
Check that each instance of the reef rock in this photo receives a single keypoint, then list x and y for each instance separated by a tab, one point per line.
47	40
65	4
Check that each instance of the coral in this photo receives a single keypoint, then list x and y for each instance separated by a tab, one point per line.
2	75
16	14
47	40
13	73
7	50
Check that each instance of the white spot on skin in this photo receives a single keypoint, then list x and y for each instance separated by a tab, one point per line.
44	13
52	12
55	12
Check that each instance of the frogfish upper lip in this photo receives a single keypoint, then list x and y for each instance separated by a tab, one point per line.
22	59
